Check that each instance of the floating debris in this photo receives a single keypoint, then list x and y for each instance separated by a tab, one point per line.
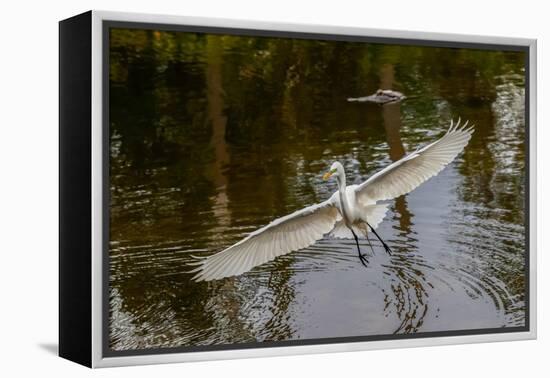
382	96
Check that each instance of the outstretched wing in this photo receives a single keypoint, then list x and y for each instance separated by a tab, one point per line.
284	235
406	174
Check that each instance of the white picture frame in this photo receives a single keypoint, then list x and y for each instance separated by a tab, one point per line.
91	332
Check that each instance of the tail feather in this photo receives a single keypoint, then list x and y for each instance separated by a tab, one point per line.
373	214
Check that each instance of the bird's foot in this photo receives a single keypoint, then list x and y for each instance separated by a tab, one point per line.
363	260
362	257
387	249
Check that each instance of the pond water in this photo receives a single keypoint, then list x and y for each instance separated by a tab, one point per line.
213	137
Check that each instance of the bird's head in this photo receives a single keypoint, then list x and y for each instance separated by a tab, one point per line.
335	169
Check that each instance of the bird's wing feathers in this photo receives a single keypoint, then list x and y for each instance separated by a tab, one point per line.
284	235
406	174
304	227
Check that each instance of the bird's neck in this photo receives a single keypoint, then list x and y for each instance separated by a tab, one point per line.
342	184
345	208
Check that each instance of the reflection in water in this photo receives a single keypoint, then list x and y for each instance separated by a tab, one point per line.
410	309
214	136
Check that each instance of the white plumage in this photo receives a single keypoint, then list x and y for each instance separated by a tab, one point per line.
404	175
347	211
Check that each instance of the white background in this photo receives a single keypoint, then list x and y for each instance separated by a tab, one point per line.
28	197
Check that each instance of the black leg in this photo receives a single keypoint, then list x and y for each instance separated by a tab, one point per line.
363	259
370	244
386	247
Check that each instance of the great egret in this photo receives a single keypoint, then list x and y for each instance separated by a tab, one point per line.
349	212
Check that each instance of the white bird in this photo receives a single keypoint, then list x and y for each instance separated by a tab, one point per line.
350	211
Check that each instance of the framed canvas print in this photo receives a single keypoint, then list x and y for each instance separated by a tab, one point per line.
234	189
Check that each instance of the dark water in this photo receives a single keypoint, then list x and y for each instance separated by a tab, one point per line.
213	137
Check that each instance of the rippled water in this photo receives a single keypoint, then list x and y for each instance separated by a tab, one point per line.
213	137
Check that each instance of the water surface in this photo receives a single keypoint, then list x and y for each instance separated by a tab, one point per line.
215	136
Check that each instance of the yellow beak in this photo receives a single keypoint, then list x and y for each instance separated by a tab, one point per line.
327	175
